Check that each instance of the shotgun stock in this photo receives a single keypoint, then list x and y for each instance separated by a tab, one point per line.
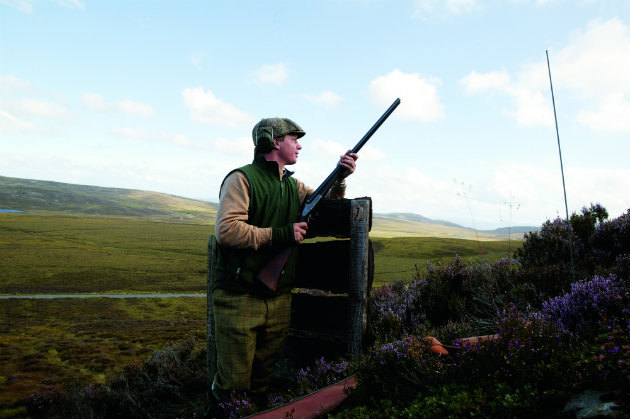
271	272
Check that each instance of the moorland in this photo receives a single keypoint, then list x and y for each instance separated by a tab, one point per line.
73	239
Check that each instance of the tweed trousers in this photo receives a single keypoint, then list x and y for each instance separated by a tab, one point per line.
250	334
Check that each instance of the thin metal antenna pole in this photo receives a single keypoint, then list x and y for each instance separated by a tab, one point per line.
566	206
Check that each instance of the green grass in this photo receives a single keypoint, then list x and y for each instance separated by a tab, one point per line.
52	254
62	254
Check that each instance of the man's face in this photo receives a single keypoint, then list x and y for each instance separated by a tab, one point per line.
288	149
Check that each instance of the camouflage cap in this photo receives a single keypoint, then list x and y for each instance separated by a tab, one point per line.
270	128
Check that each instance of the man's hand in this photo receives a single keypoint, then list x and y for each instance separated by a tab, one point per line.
299	231
348	161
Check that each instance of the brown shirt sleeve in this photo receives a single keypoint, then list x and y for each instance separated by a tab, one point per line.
231	228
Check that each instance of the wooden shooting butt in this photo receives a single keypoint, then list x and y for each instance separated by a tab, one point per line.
330	302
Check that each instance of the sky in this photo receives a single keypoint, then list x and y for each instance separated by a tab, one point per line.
163	95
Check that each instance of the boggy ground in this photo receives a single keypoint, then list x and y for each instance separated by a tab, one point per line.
57	342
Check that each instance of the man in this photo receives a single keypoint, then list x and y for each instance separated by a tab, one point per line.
257	217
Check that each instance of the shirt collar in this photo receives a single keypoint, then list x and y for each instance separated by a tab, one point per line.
272	166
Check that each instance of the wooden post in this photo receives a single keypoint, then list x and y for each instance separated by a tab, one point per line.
211	346
357	290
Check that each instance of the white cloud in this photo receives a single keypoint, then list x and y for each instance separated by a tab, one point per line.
70	4
11	124
460	6
12	84
606	186
136	134
270	74
418	96
181	139
401	188
425	9
541	2
205	107
597	65
42	109
594	66
26	6
597	61
532	108
144	135
22	5
536	192
372	154
476	82
241	147
19	114
326	98
540	193
133	108
97	102
328	150
612	115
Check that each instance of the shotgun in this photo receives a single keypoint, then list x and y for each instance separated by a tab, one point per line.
270	273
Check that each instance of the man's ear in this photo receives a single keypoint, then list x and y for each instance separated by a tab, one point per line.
276	143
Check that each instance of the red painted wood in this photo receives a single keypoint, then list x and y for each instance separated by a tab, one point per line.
313	405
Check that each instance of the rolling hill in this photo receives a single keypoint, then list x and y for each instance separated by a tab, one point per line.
47	197
55	197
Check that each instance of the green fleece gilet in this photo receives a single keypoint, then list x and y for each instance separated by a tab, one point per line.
273	202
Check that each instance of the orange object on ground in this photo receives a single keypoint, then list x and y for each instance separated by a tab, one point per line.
312	405
436	346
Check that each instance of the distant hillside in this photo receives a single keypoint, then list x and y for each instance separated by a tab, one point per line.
55	197
406	216
414	225
38	196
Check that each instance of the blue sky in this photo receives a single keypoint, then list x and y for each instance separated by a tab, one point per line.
162	96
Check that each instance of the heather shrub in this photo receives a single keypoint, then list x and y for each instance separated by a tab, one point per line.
611	241
396	310
457	297
238	406
580	311
539	358
523	373
545	255
322	374
608	358
398	370
461	292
